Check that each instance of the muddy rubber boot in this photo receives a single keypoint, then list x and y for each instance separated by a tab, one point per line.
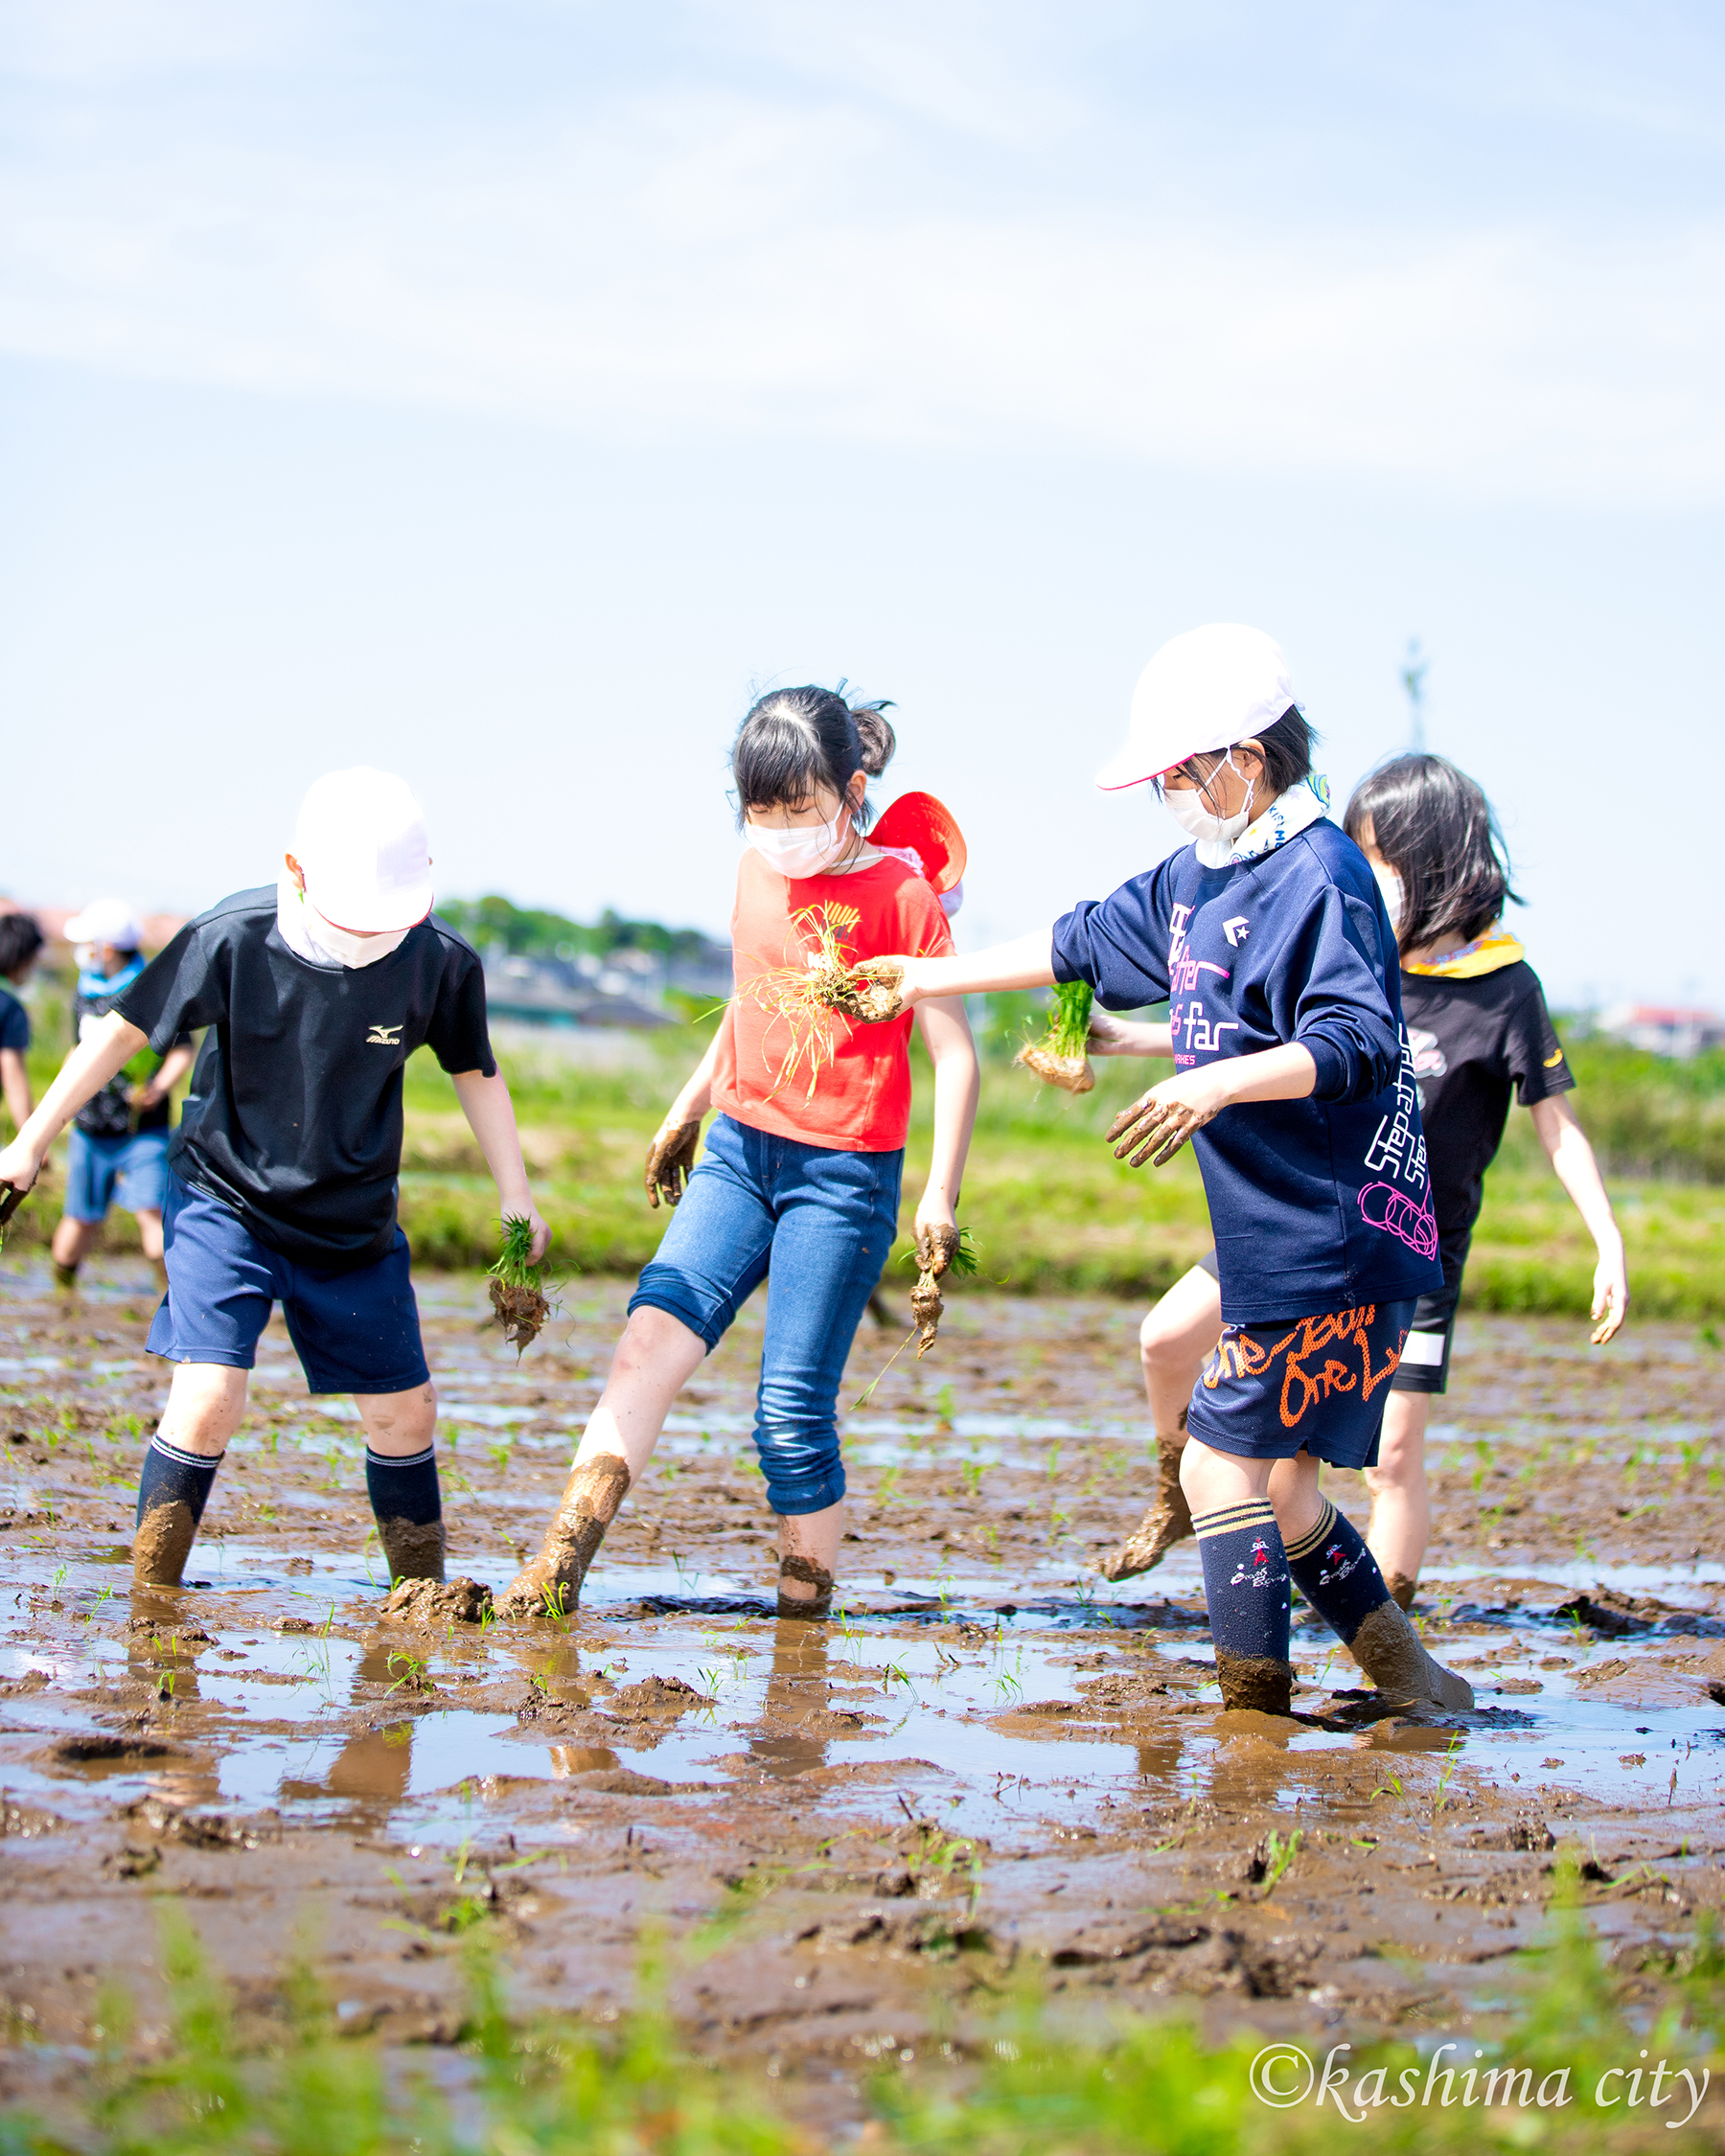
1257	1681
1392	1655
1402	1588
810	1608
1169	1521
589	1504
414	1548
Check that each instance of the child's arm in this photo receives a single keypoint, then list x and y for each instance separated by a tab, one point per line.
1110	1036
14	1083
103	1054
958	1082
671	1157
1159	1124
490	1112
1572	1156
1027	963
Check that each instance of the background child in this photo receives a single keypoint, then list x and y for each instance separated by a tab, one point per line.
21	942
117	1154
799	1182
1270	940
283	1170
1478	1030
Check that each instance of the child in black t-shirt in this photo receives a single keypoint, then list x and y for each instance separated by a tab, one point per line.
20	946
282	1172
1478	1030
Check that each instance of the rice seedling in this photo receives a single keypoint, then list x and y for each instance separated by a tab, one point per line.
939	1255
1059	1058
804	1000
516	1286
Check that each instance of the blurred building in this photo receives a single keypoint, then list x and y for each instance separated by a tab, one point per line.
1663	1031
625	987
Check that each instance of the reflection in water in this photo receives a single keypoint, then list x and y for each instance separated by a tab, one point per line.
1159	1761
373	1769
795	1710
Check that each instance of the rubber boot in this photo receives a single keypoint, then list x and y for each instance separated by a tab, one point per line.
551	1583
1169	1521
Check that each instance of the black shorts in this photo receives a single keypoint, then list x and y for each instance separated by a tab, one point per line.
1425	1359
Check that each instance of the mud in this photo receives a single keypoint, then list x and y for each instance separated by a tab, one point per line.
521	1310
413	1550
1396	1664
1169	1521
163	1543
856	1837
550	1586
1072	1074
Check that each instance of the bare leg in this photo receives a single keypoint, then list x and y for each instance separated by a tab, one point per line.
1173	1341
655	1358
206	1403
808	1554
397	1425
73	1240
1401	1519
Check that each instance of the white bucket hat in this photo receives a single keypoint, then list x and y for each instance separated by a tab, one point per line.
105	920
360	842
1202	692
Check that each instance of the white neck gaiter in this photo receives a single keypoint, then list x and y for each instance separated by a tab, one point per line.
321	942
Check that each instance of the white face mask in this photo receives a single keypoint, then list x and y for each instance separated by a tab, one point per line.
1390	883
1186	805
310	936
803	850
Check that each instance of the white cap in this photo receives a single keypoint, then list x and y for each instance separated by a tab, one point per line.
1202	692
361	843
105	920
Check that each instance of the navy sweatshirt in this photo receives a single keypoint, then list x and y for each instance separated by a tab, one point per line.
1318	1204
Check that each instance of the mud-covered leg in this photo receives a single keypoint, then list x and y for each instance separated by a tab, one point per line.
551	1583
1167	1522
400	1480
807	1552
1340	1577
205	1406
1177	1335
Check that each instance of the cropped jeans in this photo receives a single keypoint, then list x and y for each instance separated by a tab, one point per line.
817	1224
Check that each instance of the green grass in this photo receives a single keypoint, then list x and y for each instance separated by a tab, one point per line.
283	2081
1051	1211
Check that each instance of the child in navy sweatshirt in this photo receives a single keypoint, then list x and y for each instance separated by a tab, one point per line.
1271	944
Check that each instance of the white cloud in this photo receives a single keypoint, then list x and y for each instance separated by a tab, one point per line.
753	258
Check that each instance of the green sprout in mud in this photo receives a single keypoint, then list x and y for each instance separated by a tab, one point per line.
886	1488
1279	1852
554	1598
973	1472
499	1452
413	1677
711	1677
1009	1683
1390	1787
1451	1757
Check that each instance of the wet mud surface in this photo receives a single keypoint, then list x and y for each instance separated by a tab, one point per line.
852	1836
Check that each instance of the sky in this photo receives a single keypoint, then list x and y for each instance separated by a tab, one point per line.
506	393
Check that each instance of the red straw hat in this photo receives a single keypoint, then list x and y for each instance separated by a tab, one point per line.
926	828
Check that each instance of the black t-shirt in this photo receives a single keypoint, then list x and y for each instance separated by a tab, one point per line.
110	1113
1472	1041
15	1022
295	1115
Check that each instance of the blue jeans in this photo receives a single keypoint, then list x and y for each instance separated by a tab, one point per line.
825	1221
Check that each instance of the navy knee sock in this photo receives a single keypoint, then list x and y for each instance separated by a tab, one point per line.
1246	1587
408	1504
1336	1573
174	1487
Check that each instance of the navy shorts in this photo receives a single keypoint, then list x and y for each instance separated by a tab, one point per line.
353	1332
1311	1385
104	1172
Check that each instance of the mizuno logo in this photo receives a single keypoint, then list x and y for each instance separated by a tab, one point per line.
384	1037
1551	1062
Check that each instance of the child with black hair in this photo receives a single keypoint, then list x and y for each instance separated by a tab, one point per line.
1270	941
799	1182
1480	1034
283	1171
21	941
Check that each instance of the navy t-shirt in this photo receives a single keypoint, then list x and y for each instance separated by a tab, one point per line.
1318	1204
294	1118
15	1022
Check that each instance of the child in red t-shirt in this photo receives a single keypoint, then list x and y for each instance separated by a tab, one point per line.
800	1180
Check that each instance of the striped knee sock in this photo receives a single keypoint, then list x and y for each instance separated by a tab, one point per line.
1246	1587
1336	1573
408	1504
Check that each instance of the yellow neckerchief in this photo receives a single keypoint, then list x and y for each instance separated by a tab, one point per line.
1486	955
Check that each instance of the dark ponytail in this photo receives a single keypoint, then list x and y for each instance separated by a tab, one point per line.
796	741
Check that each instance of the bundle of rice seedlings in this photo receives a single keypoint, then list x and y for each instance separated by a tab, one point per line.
959	1257
516	1286
806	999
1058	1057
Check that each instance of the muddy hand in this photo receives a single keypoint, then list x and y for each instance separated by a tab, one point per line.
671	1161
936	1247
1155	1128
882	978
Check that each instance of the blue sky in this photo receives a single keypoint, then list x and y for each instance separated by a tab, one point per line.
503	393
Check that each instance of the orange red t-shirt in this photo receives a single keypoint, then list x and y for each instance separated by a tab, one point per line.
861	1097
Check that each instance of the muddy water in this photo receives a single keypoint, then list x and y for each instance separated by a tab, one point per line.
991	1760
